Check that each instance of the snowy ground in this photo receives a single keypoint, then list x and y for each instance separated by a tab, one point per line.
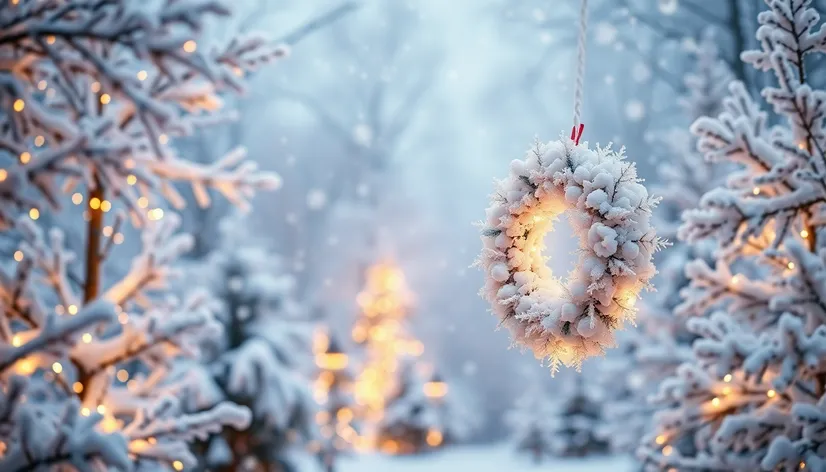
478	459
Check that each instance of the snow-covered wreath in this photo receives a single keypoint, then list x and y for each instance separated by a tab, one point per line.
568	320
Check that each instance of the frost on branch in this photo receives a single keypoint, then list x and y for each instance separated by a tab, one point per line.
95	91
752	397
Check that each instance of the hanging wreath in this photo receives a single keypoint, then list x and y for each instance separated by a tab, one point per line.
568	320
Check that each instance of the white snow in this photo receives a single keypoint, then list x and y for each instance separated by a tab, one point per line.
480	458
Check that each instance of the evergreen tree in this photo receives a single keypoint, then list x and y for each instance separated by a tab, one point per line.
576	421
261	359
422	414
531	423
752	398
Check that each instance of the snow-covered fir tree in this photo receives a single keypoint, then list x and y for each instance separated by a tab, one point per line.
92	95
661	342
532	425
576	420
754	397
262	359
334	394
423	414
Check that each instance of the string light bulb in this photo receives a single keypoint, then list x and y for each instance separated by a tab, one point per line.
727	378
18	256
756	191
142	75
34	213
105	99
19	105
190	46
3	174
771	393
804	234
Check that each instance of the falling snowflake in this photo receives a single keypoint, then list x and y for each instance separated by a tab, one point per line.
668	7
641	72
316	199
606	33
635	110
545	37
363	135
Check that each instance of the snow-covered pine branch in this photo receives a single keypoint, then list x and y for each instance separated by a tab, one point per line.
751	399
95	90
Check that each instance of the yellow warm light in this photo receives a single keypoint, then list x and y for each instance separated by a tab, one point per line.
105	99
435	389
94	203
25	366
101	409
72	309
771	394
332	360
105	205
142	75
123	375
667	450
85	411
3	174
804	234
16	341
39	140
57	368
178	465
143	202
95	87
434	438
715	401
756	191
25	157
660	440
727	378
34	213
18	256
77	387
190	46
110	424
791	265
131	179
19	105
77	198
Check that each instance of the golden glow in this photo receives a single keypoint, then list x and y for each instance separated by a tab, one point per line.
87	337
791	265
771	394
85	411
25	157
178	465
105	99
95	87
72	309
435	389
3	174
101	409
49	39
25	366
123	375
735	279
18	256
155	214
16	341
105	205
77	198
434	438
42	85
142	75
667	450
57	368
94	203
77	387
332	360
727	378
660	440
715	401
756	191
19	105
34	213
131	179
143	202
726	390
804	234
39	140
190	46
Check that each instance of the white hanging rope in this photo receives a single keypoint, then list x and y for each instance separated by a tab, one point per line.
580	73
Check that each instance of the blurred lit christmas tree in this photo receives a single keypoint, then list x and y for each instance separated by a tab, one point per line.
333	391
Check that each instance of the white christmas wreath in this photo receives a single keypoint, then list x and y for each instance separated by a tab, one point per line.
568	320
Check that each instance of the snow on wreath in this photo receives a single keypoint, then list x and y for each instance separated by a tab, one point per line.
569	320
